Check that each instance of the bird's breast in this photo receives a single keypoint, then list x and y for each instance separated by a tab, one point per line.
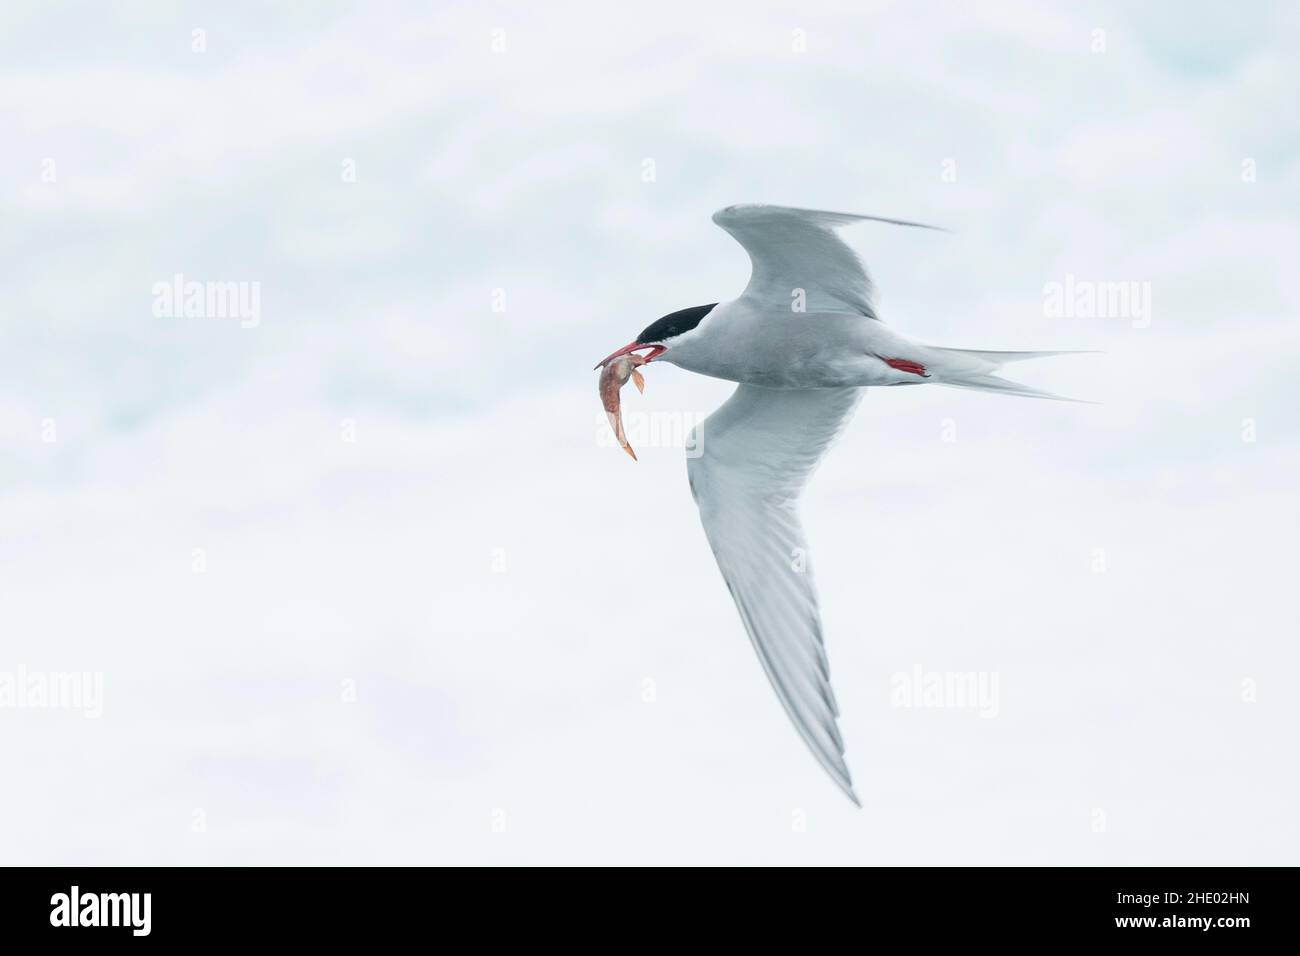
776	349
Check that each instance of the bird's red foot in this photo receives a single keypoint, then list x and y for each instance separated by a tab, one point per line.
905	365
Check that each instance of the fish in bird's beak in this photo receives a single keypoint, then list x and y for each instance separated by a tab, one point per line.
619	367
631	347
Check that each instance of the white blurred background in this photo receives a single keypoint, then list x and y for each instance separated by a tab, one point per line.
367	582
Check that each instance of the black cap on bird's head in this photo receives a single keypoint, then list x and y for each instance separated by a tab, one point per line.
658	334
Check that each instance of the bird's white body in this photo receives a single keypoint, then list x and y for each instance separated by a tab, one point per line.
802	341
755	344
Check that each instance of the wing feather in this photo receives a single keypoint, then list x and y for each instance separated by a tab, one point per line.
792	249
756	453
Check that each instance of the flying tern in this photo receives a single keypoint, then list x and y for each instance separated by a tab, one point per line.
802	340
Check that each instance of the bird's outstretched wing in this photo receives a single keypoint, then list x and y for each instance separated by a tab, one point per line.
755	455
792	249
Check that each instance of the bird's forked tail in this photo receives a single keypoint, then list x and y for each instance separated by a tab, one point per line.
975	368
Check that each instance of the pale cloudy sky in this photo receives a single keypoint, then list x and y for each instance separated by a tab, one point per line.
437	618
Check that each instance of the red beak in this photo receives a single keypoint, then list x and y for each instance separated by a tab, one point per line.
655	352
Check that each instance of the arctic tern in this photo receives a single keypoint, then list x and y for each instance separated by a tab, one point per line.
803	340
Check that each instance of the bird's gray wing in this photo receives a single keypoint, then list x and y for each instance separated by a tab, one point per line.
754	455
798	249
